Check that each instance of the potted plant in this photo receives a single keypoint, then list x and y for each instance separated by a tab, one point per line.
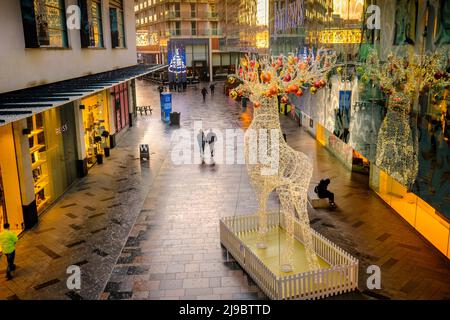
106	148
99	153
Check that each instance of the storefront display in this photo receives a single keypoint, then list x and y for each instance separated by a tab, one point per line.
52	146
96	123
39	165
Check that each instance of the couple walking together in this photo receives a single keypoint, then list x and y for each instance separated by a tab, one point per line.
210	138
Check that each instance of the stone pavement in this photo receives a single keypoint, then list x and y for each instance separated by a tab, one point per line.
173	251
90	223
151	231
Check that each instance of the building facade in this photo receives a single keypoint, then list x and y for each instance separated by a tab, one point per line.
66	97
296	24
192	27
347	118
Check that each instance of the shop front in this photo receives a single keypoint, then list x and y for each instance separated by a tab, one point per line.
95	112
52	147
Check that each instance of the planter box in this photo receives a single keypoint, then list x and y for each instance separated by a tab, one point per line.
338	275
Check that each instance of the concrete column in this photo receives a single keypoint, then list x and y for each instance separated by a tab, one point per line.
24	162
81	145
210	60
25	170
111	111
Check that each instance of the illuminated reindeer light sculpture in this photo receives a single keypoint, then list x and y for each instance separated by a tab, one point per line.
402	79
290	174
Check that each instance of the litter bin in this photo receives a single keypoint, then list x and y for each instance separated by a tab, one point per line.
175	118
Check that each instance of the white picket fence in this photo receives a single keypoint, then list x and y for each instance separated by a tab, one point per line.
341	277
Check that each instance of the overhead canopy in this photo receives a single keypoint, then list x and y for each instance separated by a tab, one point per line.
16	105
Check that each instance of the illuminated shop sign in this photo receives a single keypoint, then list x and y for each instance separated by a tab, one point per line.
340	36
289	16
143	39
262	39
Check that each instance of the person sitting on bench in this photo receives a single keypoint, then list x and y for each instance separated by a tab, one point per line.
323	193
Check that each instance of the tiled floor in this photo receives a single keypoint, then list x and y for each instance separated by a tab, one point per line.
150	231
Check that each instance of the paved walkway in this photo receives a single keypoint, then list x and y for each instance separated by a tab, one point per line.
151	232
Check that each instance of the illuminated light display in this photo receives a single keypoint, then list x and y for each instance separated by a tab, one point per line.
262	39
289	17
143	38
293	172
351	10
341	36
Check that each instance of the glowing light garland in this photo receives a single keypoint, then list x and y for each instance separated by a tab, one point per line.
262	81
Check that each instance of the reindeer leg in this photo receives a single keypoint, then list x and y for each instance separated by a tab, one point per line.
301	207
287	258
263	197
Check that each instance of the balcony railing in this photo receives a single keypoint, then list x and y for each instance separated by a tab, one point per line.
174	14
194	32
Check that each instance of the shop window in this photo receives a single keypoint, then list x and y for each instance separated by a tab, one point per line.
95	120
91	23
193	10
44	23
39	164
116	17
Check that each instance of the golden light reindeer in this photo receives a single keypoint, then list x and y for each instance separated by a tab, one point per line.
262	82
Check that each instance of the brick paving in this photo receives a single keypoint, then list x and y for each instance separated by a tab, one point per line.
151	231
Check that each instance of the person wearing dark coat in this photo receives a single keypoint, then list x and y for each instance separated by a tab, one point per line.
322	191
204	93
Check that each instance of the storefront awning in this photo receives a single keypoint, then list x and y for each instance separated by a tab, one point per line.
16	105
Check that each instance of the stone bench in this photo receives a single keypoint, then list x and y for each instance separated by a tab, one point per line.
316	202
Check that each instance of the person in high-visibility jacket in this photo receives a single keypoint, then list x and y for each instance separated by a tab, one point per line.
8	241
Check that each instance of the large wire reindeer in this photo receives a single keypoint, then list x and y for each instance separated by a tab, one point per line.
290	174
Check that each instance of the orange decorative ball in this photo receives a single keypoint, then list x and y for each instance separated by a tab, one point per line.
265	77
293	88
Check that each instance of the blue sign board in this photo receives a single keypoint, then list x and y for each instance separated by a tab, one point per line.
166	106
345	100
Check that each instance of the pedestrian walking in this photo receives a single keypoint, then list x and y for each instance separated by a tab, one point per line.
212	87
8	241
160	89
204	93
211	138
201	143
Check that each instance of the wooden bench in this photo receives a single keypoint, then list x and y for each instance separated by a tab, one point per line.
144	109
316	202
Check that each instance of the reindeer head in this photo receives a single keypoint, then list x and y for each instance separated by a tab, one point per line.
262	81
